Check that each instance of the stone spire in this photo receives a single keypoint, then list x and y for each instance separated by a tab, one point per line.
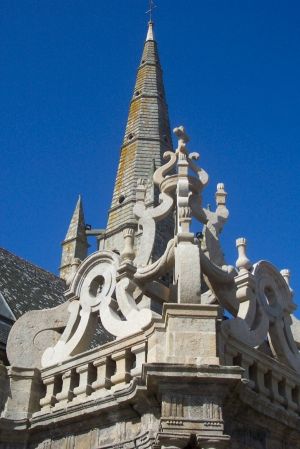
75	244
147	137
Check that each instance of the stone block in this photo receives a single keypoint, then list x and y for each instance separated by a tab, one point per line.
25	393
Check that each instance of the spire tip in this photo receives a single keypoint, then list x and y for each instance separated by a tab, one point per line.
150	33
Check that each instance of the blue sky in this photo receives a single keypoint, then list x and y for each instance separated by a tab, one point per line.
231	72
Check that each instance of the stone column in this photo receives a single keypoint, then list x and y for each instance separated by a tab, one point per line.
26	391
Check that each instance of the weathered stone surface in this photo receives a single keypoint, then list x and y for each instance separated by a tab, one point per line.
32	334
180	373
147	137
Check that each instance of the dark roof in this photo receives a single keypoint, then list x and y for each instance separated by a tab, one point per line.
4	331
25	286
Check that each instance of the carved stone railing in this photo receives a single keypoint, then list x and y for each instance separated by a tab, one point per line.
104	370
273	381
93	373
112	367
115	373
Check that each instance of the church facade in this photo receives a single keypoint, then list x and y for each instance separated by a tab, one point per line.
154	340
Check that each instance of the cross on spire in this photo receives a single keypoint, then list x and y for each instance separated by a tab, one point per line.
150	10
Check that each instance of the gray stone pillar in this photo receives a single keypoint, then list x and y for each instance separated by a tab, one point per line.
25	393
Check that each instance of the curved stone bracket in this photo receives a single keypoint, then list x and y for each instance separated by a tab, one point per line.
221	281
135	319
147	220
162	171
157	268
265	307
202	175
275	298
214	222
33	332
94	281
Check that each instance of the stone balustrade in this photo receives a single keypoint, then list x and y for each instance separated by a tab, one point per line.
93	374
104	371
272	380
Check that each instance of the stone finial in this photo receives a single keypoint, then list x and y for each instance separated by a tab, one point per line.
286	274
242	263
183	139
220	195
128	253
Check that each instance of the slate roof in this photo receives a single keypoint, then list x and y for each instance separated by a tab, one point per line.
25	286
4	331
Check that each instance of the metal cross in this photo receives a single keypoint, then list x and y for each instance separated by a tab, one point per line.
150	10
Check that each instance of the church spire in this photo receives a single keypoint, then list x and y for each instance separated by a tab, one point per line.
75	244
147	137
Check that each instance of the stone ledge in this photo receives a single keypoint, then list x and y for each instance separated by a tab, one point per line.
154	374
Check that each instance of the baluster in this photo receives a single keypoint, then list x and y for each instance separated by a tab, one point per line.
103	367
230	355
296	397
123	360
289	387
261	372
246	364
276	378
49	400
139	352
84	388
66	394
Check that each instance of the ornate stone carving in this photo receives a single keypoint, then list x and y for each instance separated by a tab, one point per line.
257	295
93	285
264	311
128	254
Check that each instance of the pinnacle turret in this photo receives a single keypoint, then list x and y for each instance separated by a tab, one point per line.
75	244
147	137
